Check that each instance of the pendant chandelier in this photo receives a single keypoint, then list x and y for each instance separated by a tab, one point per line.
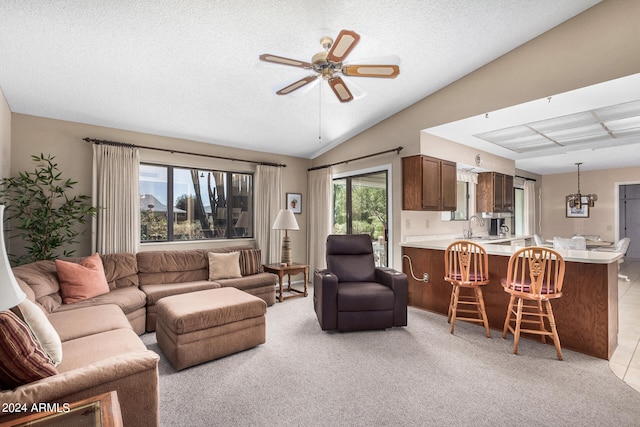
577	200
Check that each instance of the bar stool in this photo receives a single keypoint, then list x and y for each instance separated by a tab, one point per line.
466	266
534	276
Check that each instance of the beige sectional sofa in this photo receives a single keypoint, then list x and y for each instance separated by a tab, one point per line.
100	344
165	273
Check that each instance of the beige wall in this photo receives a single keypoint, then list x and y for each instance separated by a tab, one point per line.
602	217
33	135
598	45
5	136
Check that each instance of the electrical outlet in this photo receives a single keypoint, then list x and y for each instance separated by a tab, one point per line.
425	277
407	223
426	223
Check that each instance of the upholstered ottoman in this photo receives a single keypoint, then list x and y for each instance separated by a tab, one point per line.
196	327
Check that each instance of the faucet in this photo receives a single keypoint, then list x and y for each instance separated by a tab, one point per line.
469	231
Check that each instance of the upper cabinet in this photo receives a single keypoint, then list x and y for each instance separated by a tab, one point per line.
494	192
428	184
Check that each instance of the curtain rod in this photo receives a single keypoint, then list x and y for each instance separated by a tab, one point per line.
397	150
166	150
528	179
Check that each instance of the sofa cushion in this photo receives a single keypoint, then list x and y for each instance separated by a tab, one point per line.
80	352
177	266
172	266
128	299
224	266
250	262
22	360
250	282
42	279
120	269
80	322
41	329
80	281
156	292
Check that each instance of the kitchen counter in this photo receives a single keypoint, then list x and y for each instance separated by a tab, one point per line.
586	315
496	246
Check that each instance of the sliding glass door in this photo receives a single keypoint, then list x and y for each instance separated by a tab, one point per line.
360	207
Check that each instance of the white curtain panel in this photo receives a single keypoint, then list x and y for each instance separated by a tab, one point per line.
320	190
269	200
116	194
529	215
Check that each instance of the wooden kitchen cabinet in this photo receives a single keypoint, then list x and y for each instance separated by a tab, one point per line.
428	184
494	192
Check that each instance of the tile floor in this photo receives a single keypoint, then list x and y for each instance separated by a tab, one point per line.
625	362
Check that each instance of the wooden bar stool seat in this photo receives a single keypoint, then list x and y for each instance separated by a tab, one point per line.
534	277
467	269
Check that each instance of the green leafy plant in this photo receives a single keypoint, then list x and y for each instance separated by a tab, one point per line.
45	215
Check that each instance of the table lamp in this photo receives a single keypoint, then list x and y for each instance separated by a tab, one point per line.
286	221
10	292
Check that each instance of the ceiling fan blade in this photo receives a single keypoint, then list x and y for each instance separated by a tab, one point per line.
284	61
345	42
371	70
297	85
340	89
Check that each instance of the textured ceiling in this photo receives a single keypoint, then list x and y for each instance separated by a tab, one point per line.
190	69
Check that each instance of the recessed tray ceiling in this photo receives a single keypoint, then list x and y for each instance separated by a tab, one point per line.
606	124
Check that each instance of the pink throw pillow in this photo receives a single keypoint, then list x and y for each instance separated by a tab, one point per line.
81	281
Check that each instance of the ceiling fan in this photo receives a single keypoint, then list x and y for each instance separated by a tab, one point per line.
329	64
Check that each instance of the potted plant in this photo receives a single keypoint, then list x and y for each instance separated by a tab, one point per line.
43	212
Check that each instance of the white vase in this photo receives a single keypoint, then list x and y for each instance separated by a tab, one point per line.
10	292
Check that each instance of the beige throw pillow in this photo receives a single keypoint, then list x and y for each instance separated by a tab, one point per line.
42	330
224	265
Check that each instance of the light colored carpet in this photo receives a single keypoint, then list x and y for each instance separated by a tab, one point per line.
416	375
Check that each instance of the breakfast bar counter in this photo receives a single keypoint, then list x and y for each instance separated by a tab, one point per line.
586	314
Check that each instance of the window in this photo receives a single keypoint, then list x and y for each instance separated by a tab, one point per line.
463	197
205	204
518	211
360	207
462	205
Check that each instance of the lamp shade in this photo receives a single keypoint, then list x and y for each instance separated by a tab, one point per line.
285	221
10	292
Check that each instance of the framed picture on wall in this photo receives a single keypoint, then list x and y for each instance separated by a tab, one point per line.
575	212
294	202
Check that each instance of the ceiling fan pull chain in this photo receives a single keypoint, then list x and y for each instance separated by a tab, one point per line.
320	113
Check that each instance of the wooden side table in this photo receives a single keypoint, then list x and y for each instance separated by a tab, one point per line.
102	410
293	268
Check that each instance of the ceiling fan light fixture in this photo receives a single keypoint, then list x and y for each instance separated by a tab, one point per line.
329	62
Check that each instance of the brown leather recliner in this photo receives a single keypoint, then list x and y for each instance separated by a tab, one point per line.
352	294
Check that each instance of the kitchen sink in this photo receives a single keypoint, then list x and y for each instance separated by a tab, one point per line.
487	238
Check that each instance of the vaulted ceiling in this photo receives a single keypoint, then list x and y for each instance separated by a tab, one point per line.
190	69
